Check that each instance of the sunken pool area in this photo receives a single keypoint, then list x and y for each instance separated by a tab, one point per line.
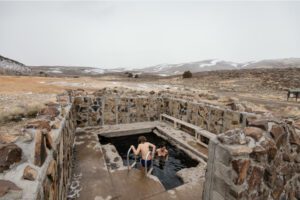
100	165
164	169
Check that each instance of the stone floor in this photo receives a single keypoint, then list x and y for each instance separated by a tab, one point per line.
92	179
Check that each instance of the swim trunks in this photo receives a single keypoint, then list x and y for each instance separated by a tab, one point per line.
144	163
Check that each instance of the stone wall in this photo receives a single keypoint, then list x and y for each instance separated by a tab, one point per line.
209	117
261	161
37	165
58	173
98	110
93	110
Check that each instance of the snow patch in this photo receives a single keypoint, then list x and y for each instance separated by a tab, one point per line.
211	63
97	71
56	71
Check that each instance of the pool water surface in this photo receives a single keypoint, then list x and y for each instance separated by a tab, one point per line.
165	170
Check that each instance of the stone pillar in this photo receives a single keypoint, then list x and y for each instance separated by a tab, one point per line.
261	161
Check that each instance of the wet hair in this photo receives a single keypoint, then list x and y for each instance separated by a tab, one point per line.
163	144
142	139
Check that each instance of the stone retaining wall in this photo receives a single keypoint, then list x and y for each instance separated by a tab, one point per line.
58	174
247	160
261	161
93	110
209	117
37	165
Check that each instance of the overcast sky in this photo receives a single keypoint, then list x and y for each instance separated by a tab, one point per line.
140	34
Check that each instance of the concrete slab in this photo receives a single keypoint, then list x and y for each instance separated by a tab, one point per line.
184	139
126	129
190	191
135	185
91	178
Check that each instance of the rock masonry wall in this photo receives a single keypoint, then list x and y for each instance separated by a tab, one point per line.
93	110
261	161
37	165
249	159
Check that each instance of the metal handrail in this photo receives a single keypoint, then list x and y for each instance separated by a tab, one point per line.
152	161
128	164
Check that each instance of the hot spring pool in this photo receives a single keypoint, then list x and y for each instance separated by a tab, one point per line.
164	170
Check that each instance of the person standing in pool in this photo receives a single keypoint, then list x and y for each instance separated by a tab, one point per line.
162	152
144	149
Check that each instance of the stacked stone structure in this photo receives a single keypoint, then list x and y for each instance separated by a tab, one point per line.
261	161
250	158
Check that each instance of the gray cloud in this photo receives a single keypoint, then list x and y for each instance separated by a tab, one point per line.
137	34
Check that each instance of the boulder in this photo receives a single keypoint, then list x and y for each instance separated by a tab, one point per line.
29	173
9	154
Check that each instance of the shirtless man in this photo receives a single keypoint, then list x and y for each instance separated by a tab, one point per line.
143	148
162	151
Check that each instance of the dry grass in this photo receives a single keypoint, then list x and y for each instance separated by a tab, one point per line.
18	112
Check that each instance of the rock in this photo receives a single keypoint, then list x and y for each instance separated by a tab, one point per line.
192	174
49	141
278	189
253	132
56	125
29	173
240	150
294	136
270	147
7	186
51	104
8	138
269	176
277	131
39	124
51	170
235	136
263	124
259	154
152	92
240	167
112	156
9	154
232	106
40	151
255	178
51	112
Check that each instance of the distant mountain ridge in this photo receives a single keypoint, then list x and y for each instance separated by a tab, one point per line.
215	64
9	66
12	67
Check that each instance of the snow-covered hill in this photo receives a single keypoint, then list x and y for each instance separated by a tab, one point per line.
9	66
215	64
